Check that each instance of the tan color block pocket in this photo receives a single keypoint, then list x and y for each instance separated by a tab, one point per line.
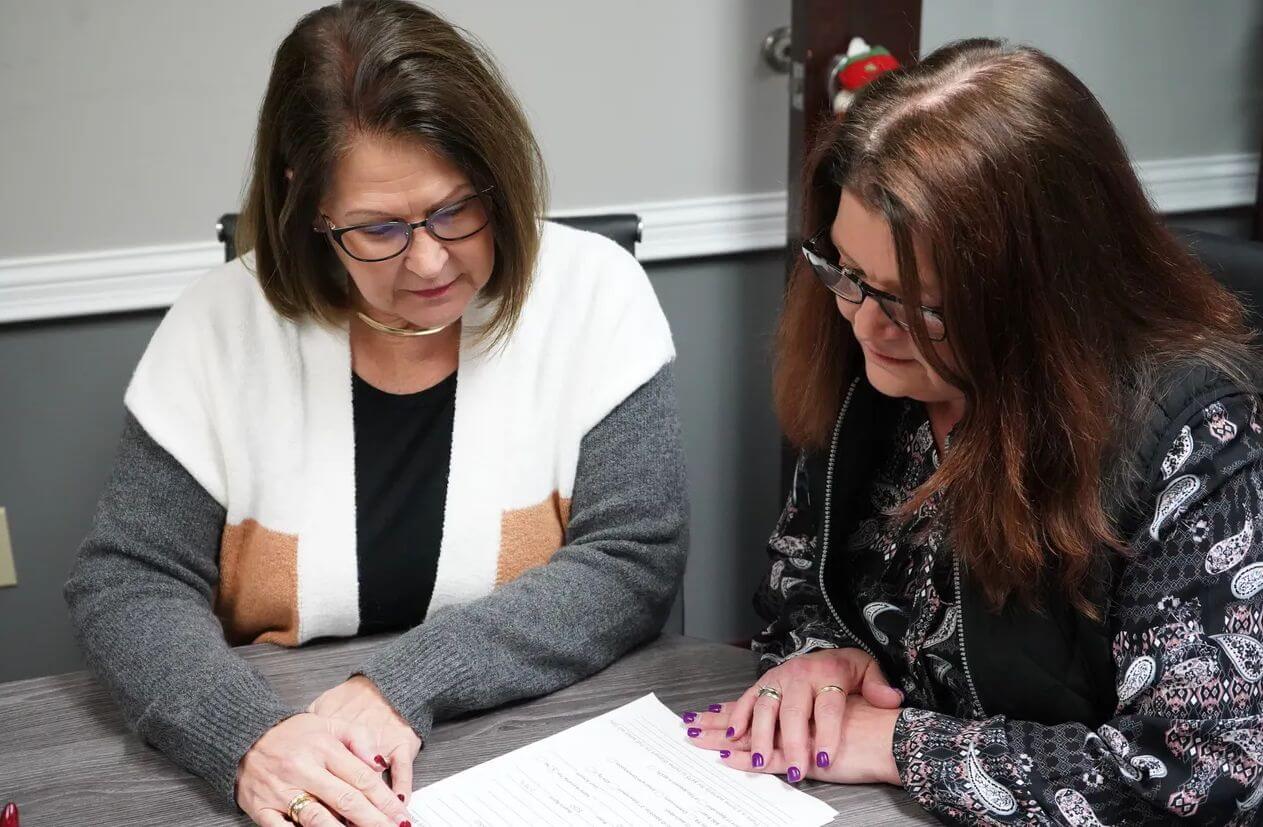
530	536
257	598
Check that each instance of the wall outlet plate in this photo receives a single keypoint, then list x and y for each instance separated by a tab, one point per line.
8	574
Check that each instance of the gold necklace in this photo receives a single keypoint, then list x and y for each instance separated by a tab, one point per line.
399	331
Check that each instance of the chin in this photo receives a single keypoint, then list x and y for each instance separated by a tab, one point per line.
433	313
889	383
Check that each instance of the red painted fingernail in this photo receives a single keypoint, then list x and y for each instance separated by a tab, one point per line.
379	760
731	732
401	796
9	817
715	707
405	824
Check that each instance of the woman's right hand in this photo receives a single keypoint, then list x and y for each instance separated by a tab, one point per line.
807	721
330	760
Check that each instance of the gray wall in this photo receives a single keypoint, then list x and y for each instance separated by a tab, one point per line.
60	416
152	103
723	314
1178	78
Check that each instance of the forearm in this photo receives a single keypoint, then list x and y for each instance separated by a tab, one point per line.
139	599
998	771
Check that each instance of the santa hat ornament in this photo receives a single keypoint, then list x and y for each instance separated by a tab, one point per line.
860	65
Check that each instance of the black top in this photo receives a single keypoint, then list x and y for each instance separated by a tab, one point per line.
403	449
1067	669
899	576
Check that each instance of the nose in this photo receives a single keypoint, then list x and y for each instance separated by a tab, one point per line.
869	320
426	255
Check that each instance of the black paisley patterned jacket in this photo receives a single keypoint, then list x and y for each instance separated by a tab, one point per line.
1151	716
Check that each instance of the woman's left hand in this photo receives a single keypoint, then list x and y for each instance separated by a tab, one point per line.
864	756
359	701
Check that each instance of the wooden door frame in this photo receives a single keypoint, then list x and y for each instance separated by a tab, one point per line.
819	31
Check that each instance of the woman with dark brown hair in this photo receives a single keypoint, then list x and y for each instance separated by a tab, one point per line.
1019	571
412	406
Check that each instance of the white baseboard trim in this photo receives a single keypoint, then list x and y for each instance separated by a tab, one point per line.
111	281
142	278
692	228
1211	182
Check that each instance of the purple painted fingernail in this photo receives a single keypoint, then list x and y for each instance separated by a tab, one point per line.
794	775
731	732
822	759
689	717
715	708
694	732
756	760
723	753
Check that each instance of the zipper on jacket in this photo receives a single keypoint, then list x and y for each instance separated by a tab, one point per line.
960	637
824	537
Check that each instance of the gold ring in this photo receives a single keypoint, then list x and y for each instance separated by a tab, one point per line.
769	692
297	803
830	688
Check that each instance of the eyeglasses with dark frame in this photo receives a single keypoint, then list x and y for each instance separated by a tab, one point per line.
382	240
845	283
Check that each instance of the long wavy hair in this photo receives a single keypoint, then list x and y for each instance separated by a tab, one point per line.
1060	285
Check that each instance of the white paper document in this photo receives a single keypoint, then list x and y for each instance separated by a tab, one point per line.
632	766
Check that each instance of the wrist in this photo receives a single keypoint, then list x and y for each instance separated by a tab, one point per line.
890	767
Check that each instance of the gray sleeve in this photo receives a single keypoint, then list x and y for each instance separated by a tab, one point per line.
140	603
608	589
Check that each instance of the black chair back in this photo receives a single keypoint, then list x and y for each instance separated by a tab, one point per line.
1237	263
622	228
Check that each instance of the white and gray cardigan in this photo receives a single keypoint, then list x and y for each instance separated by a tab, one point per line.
230	516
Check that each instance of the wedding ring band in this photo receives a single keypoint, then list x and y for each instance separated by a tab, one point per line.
830	688
296	805
769	692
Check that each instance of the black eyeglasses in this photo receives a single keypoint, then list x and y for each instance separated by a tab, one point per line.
386	239
845	283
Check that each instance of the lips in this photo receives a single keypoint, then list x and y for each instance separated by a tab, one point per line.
881	355
433	293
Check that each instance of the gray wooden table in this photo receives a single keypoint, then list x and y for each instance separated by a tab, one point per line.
66	756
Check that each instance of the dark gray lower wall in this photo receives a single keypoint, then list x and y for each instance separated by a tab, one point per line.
61	386
723	315
60	416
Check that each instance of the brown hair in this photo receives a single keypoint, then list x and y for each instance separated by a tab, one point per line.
392	69
1059	283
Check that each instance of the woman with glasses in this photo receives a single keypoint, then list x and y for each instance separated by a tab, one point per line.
412	407
1020	570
